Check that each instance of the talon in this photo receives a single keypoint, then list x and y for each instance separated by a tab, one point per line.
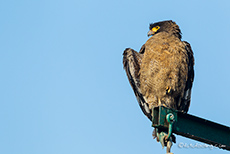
168	90
159	102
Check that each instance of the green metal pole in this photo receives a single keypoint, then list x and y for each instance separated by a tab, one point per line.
192	127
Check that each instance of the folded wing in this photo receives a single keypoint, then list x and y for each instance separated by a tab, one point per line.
132	63
185	102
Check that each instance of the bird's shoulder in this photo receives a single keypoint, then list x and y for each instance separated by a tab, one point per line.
163	41
189	52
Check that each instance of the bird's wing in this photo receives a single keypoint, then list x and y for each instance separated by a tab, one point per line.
185	102
131	63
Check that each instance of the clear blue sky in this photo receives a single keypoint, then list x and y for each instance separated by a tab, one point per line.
62	86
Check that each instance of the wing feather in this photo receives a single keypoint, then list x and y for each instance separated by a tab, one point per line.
185	102
132	63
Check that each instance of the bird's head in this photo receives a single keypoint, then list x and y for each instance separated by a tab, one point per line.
164	26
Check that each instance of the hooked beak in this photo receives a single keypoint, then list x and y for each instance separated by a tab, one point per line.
150	33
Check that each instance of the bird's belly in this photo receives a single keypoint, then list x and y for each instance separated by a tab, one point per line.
163	76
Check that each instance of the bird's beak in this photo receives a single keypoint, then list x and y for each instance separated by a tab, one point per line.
150	33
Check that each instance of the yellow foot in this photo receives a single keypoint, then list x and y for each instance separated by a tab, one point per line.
159	102
168	90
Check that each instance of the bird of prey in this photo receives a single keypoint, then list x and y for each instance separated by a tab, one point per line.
161	73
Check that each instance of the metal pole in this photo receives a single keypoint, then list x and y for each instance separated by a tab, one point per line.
192	127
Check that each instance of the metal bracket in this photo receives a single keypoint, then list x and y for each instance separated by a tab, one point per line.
166	138
168	121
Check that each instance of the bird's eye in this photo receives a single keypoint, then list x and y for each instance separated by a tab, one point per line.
154	29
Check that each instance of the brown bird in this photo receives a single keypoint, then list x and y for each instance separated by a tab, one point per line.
162	72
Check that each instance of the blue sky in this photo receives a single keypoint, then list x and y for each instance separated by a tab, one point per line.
63	88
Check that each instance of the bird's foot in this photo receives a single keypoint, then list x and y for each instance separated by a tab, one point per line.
168	90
